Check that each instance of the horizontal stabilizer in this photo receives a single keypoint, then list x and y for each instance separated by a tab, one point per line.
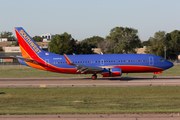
21	58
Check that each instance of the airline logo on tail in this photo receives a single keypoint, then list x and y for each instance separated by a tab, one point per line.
29	41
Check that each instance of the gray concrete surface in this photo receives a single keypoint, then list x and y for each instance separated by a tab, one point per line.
87	82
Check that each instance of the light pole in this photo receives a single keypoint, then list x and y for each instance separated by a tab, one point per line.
164	52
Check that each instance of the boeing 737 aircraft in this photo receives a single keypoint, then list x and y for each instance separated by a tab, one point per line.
109	65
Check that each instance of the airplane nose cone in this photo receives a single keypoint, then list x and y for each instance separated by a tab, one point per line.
170	64
167	65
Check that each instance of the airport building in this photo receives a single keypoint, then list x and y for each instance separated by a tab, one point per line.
47	37
13	49
7	50
3	40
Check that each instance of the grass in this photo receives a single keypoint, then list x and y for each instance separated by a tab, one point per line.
23	71
85	100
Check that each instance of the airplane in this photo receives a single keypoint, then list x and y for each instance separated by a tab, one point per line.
109	65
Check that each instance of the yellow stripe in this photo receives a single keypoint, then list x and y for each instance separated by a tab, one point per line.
42	86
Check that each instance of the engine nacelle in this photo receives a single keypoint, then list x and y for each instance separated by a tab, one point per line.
112	72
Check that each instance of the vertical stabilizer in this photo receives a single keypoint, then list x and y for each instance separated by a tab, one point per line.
29	48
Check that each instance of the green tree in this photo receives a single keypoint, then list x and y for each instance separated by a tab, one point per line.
83	48
93	41
37	39
170	52
124	40
64	43
157	44
172	42
146	43
8	35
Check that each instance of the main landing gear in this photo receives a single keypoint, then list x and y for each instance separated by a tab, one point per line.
94	77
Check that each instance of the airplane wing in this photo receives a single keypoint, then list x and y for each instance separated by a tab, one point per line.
83	68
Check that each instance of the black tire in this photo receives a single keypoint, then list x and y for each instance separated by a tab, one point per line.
154	76
94	77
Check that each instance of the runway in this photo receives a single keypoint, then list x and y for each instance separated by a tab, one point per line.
87	82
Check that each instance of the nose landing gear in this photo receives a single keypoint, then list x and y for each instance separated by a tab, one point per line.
154	76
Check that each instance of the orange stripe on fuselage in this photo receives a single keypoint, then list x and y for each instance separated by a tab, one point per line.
26	55
37	66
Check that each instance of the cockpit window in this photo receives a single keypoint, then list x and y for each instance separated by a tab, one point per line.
161	59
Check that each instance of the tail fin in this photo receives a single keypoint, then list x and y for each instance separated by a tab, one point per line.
29	48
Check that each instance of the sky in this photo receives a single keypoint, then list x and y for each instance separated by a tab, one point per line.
87	18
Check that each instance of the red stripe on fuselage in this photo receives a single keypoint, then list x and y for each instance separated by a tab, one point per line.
137	69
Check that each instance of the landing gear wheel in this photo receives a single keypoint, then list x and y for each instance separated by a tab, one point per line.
154	76
94	77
